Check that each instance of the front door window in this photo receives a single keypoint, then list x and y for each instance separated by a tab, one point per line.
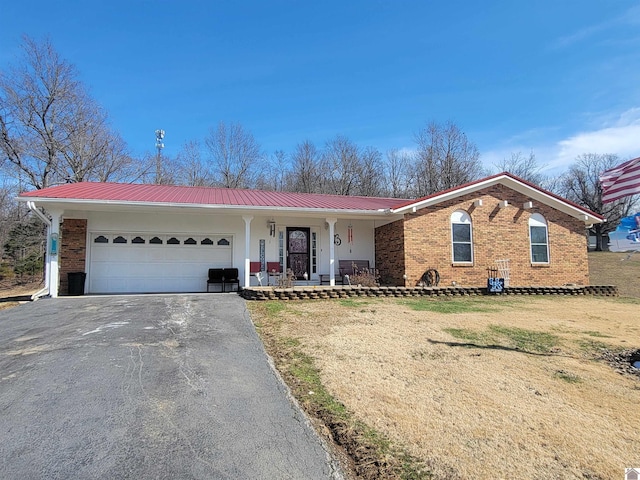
298	251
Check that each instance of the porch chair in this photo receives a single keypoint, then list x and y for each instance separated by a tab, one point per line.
255	269
230	277
273	270
215	277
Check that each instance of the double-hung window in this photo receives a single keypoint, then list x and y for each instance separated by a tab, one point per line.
461	237
539	239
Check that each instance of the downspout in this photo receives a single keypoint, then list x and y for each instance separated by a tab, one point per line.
47	267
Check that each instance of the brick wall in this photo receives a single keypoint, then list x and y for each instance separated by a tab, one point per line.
498	233
390	258
73	250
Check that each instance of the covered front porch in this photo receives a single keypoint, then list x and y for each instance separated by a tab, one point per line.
281	251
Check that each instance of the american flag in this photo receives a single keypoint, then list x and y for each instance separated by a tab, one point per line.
621	181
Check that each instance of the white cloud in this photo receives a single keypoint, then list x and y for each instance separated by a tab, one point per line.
408	151
619	134
622	138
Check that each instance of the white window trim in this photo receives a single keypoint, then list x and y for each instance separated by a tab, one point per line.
537	220
460	217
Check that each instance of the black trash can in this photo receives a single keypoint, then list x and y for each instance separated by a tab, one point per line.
76	283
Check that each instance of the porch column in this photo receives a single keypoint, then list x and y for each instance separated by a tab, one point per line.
54	273
332	251
247	249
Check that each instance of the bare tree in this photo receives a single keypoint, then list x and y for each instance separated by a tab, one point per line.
51	130
191	167
525	167
370	173
581	184
116	165
445	158
235	155
166	172
398	176
275	176
304	173
339	166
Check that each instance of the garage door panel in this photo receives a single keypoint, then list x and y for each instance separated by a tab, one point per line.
147	267
148	285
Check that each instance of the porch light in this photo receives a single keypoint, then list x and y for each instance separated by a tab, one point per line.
272	228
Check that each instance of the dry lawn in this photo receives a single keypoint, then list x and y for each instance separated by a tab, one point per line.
469	397
621	269
9	292
482	387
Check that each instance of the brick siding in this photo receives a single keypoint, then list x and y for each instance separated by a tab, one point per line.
73	250
390	257
498	233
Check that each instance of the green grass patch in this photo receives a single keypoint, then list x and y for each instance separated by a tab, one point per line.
463	305
354	303
508	337
290	342
627	300
467	334
592	347
592	333
527	340
274	308
351	302
567	376
304	371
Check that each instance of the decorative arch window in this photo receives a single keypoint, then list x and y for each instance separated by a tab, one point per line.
206	241
173	241
119	239
137	240
224	242
156	241
190	241
461	237
539	239
101	239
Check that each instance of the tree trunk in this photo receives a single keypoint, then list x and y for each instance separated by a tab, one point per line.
600	244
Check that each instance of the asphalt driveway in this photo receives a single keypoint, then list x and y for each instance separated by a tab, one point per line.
146	387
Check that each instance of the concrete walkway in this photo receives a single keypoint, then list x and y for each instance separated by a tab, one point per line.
146	387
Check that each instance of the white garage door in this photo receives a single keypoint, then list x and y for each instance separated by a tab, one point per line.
145	263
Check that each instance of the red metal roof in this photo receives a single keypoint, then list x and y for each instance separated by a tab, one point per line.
170	194
180	195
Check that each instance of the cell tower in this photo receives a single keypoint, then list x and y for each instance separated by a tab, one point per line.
159	147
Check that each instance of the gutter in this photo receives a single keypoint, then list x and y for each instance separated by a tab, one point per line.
83	202
47	275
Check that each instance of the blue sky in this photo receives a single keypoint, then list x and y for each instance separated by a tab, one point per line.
560	78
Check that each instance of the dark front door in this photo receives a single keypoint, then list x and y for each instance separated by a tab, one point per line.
298	251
